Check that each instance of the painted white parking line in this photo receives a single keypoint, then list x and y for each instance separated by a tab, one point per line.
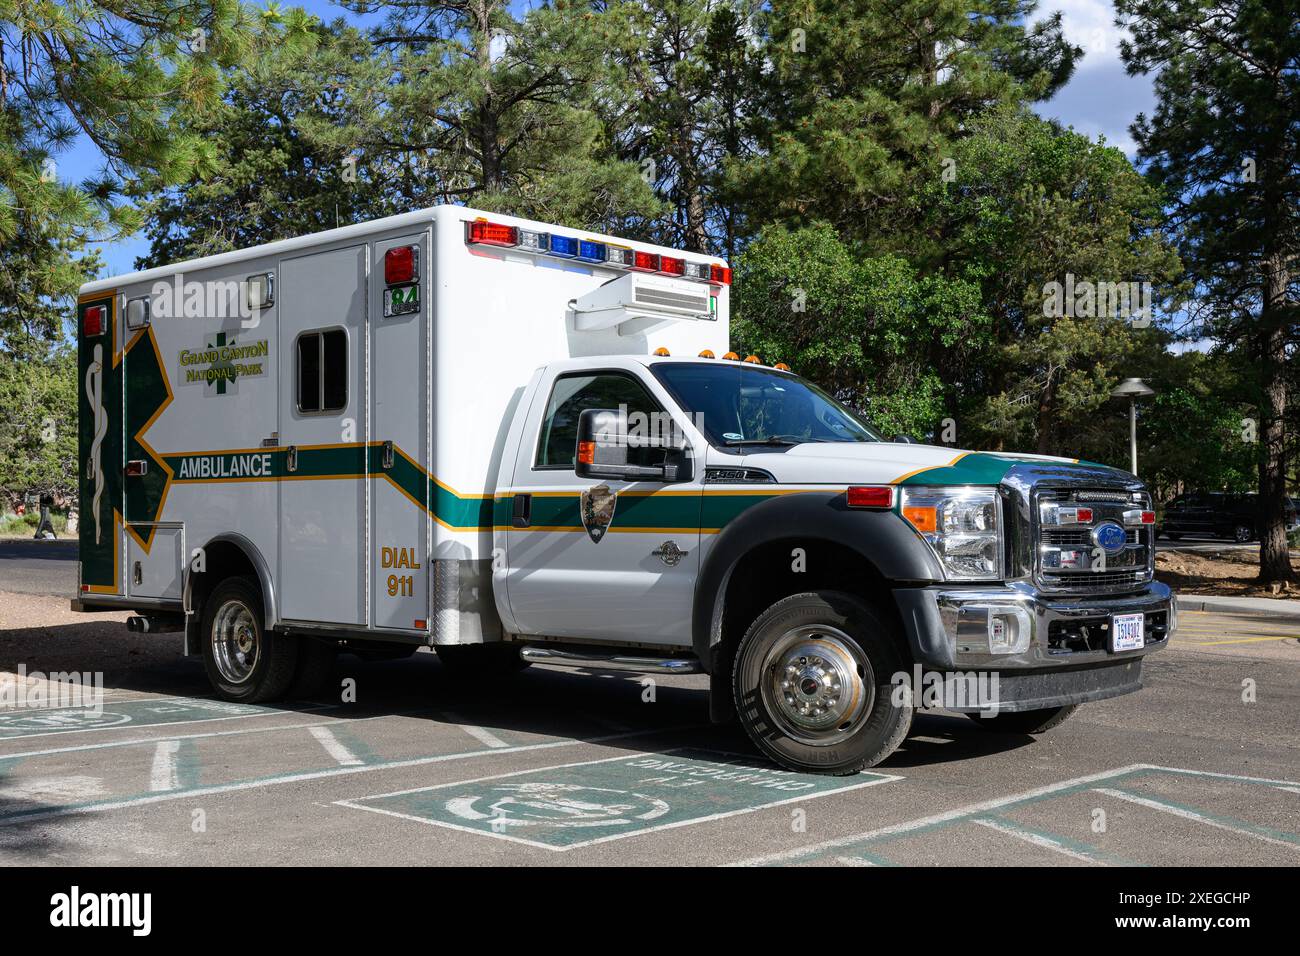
164	776
481	734
334	747
853	861
23	816
1037	839
137	741
900	828
1188	814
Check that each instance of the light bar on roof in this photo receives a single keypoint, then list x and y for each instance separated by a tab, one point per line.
487	233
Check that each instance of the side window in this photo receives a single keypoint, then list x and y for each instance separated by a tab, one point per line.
322	371
574	394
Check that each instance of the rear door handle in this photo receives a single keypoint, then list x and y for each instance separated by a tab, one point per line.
521	511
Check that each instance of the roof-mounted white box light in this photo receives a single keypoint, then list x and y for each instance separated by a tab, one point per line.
638	302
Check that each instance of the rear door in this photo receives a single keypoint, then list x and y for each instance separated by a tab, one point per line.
602	560
322	397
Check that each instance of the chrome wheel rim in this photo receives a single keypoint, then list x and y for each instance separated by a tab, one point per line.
236	642
817	685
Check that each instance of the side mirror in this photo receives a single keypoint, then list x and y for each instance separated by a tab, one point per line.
904	439
606	449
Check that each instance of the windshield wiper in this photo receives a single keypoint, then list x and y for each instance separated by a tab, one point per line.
774	440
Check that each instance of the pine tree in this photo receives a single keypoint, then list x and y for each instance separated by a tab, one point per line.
1224	143
129	76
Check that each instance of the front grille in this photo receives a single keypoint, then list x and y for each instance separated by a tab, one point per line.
1081	537
1065	558
1093	582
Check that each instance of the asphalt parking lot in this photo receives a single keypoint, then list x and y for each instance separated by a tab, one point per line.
561	766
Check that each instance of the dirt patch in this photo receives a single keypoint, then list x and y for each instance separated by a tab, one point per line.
1231	572
44	634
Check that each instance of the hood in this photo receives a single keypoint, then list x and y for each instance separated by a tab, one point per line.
908	464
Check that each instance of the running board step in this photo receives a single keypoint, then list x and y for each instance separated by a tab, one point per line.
610	661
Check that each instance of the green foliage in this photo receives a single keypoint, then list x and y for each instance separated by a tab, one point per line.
38	432
268	179
129	76
863	328
1224	143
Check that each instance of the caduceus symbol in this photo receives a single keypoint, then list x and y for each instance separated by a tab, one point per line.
95	393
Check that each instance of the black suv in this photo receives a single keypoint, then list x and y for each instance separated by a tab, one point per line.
1235	516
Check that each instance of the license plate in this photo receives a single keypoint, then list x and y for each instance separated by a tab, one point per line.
1126	632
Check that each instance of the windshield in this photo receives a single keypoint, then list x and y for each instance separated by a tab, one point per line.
735	404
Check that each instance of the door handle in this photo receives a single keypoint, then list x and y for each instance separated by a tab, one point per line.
388	455
291	458
521	513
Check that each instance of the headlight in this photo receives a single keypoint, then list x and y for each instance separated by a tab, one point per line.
961	526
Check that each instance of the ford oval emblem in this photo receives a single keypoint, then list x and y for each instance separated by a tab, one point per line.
1110	537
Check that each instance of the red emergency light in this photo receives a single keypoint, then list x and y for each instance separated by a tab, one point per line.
492	234
94	320
399	265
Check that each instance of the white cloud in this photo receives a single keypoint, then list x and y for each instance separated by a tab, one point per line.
1089	24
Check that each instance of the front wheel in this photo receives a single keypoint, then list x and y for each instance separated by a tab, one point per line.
1025	721
1242	533
813	683
245	663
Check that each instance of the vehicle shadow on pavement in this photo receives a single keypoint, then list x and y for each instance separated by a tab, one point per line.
609	707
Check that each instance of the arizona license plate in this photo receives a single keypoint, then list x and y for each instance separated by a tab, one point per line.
1126	632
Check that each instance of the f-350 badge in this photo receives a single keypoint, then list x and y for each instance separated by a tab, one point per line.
597	507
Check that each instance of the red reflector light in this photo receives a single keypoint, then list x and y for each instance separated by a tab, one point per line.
492	234
1148	517
399	265
720	275
645	262
93	320
587	452
671	266
871	496
136	467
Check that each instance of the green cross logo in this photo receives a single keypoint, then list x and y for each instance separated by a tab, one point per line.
228	366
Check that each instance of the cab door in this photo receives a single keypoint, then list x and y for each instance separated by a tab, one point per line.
603	560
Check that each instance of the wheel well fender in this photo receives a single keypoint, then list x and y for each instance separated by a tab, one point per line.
228	555
878	543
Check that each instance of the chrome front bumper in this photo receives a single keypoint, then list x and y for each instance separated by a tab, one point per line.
948	627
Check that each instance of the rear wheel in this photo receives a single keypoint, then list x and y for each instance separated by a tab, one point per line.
244	662
813	684
485	660
1025	721
1241	533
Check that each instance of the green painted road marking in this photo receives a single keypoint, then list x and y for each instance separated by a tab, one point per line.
132	713
578	804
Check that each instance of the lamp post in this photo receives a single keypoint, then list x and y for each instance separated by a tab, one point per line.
1132	389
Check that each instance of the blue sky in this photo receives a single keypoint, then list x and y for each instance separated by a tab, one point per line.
1100	100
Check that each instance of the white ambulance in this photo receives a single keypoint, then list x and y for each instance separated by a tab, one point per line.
519	443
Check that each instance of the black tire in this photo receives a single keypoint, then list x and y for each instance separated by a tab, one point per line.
1025	721
1242	533
779	635
274	657
316	659
481	660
